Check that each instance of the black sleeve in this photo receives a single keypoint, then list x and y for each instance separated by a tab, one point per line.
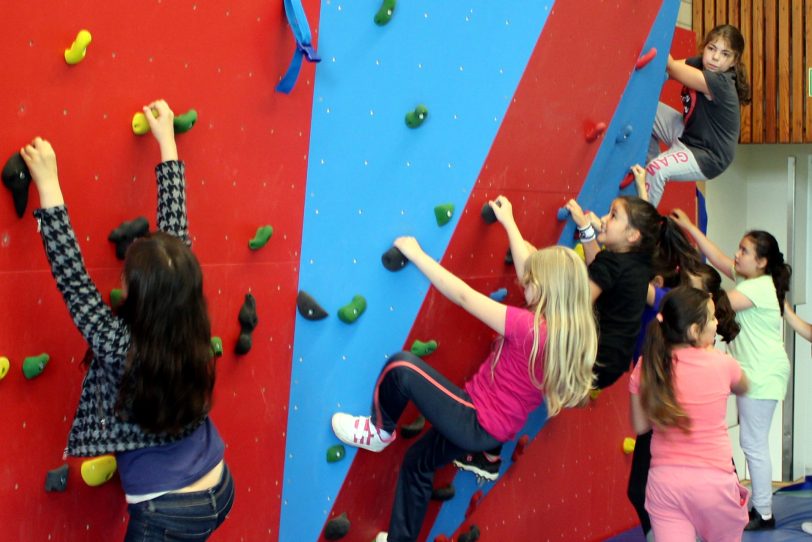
722	87
604	270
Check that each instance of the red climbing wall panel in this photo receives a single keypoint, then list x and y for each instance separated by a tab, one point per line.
246	165
570	484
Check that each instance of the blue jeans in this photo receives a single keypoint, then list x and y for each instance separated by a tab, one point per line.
181	516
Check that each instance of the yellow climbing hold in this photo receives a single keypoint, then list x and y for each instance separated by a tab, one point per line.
140	124
628	445
594	394
78	48
98	470
4	366
579	249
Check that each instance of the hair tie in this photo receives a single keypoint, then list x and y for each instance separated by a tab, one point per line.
676	269
659	317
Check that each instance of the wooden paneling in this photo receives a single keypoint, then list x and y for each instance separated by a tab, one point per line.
777	57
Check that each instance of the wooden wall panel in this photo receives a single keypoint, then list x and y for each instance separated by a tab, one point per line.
777	57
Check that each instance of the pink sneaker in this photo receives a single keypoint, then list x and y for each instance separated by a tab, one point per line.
359	431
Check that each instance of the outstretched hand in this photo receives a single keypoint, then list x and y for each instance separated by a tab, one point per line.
682	219
40	158
409	247
502	209
577	213
160	116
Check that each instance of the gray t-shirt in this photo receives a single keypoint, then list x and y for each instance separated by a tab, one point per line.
712	126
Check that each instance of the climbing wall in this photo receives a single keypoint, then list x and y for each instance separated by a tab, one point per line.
246	164
512	88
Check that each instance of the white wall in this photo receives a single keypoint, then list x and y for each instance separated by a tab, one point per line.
752	194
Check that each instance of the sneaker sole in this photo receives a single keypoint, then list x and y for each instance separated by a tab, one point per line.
490	476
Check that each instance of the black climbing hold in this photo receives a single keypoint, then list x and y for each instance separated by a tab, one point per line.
57	479
309	307
126	233
413	429
487	214
509	257
17	179
337	527
394	260
248	321
471	536
445	493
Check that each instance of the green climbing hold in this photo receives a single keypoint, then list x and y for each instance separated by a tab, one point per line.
216	347
116	298
384	14
184	123
443	213
420	348
353	310
261	238
34	365
336	453
415	118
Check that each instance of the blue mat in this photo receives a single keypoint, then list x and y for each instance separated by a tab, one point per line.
791	506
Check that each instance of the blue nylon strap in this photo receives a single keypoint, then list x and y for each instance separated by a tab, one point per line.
304	48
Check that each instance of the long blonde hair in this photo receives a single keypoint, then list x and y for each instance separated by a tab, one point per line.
561	285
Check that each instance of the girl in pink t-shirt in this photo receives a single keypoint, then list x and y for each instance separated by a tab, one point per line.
681	389
545	353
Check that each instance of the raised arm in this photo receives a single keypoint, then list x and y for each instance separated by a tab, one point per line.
490	312
170	173
801	327
519	250
689	76
718	259
93	318
585	227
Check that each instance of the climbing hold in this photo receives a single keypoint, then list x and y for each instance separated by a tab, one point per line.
78	48
509	257
445	493
474	502
521	444
297	20
261	238
34	365
394	260
126	233
116	298
411	430
562	214
487	214
624	134
414	119
384	14
594	394
594	131
337	527
498	295
57	479
645	59
140	124
628	445
420	348
183	123
248	321
309	307
471	536
441	538
216	347
17	179
98	470
5	364
627	180
336	453
579	250
350	312
443	213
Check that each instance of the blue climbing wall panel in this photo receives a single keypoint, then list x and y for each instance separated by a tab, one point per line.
370	179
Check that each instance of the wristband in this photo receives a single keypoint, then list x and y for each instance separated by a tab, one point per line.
587	233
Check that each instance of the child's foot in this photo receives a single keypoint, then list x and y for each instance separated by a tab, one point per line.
359	431
484	466
806	527
381	537
758	522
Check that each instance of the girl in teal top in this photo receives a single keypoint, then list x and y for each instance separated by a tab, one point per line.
762	283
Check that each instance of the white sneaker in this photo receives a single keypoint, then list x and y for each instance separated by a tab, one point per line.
806	527
380	537
359	431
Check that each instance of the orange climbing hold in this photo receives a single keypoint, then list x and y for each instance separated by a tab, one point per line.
645	59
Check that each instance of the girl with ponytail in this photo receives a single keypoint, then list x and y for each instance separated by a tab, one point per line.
680	390
762	278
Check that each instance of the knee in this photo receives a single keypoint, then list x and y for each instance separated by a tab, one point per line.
403	355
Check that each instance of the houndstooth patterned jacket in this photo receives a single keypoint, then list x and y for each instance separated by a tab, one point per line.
96	429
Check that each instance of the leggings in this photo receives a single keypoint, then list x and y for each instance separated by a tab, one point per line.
455	430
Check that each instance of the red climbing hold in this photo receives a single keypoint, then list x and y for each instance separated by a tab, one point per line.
593	132
473	503
646	58
627	180
519	449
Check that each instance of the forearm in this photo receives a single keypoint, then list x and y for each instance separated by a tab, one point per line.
717	257
518	248
448	284
51	197
169	150
591	250
687	75
801	327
